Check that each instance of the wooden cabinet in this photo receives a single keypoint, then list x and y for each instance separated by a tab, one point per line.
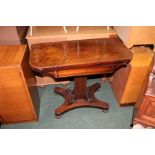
19	100
146	113
127	82
145	107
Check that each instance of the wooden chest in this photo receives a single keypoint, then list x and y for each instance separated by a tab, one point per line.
19	100
127	82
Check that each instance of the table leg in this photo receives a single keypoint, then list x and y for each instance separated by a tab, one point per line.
81	96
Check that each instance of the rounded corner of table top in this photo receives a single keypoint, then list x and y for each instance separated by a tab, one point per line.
52	57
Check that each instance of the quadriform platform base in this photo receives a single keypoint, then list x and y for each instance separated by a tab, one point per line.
80	96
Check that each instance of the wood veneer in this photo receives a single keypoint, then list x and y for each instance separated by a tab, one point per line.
144	110
81	54
19	100
127	82
79	59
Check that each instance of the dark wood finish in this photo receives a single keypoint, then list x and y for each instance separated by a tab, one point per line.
79	55
1	121
145	107
22	32
145	115
79	59
19	100
80	96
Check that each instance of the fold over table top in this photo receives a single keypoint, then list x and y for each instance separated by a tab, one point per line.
78	54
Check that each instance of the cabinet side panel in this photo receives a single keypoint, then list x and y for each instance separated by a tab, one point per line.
119	82
14	103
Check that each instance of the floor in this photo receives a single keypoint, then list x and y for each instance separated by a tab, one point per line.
82	118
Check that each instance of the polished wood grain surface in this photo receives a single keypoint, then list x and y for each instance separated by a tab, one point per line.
58	56
10	55
30	84
79	59
145	106
44	34
19	100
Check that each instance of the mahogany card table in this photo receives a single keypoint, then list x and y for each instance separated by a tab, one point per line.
79	59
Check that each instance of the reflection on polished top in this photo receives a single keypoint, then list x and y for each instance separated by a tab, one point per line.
59	55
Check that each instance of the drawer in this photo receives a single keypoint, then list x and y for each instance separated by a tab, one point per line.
81	71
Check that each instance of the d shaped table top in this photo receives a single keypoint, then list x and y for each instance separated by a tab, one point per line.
79	59
82	55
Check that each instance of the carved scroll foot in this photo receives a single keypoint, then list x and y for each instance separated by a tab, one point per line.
66	93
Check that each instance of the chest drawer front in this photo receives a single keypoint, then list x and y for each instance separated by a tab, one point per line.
146	112
148	106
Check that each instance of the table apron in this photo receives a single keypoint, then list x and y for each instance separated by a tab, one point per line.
84	71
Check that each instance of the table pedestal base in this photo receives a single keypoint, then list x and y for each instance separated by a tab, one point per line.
80	96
